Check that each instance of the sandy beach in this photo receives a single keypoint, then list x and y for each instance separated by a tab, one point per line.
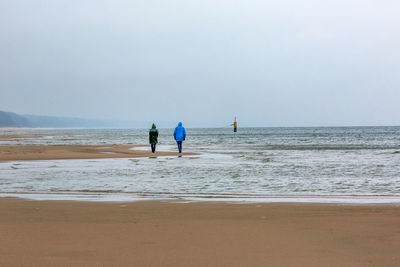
153	233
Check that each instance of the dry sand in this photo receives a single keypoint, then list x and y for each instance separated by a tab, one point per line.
22	152
61	233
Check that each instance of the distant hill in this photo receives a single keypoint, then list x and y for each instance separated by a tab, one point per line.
64	122
10	119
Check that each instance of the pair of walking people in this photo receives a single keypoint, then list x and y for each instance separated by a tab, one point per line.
179	135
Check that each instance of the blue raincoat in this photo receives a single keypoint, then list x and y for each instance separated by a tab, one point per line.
180	132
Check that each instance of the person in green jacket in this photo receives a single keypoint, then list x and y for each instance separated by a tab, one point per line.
153	137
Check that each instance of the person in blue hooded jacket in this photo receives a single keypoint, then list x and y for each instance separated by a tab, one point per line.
180	135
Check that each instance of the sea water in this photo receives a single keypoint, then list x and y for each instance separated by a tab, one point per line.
340	164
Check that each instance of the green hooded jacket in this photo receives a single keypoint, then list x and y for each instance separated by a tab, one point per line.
153	135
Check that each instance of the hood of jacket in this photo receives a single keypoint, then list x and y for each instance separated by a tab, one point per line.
153	126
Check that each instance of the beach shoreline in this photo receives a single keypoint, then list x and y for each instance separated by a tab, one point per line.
157	233
114	196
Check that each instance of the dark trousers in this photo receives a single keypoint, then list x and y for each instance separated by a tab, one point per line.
153	148
179	146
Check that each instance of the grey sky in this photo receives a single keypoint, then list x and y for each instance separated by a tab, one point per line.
271	63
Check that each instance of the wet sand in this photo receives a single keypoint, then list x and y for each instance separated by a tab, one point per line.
25	152
153	233
16	136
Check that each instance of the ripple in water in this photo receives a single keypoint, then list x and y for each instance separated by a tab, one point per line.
255	163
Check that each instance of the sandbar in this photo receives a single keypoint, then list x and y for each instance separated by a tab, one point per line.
16	136
56	152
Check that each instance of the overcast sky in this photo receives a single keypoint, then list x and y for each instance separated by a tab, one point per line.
271	63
